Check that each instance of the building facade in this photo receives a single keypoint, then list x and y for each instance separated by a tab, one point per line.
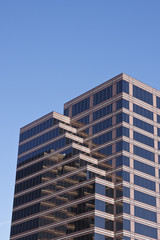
92	173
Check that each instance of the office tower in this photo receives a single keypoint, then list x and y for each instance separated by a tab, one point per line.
92	173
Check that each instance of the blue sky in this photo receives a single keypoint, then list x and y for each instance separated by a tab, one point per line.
52	51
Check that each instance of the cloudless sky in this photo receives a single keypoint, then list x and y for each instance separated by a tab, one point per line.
52	51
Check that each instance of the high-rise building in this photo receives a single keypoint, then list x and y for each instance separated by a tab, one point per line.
92	173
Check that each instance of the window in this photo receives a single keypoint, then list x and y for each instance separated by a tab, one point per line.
103	138
143	153
122	103
126	208
122	131
145	214
126	192
102	112
143	139
143	125
158	102
107	150
144	198
122	145
122	117
122	86
84	120
158	132
122	160
102	95
158	118
142	95
80	106
144	168
125	175
102	125
142	111
145	183
37	129
66	112
146	230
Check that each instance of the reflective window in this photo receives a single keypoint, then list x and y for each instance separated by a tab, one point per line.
126	208
122	131
143	139
66	112
143	95
142	111
39	140
143	125
144	168
37	129
122	117
103	138
122	145
143	153
158	102
84	120
102	125
145	214
122	86
102	112
122	160
124	175
107	150
122	103
126	224
102	95
145	183
80	106
158	118
126	192
144	198
158	132
146	230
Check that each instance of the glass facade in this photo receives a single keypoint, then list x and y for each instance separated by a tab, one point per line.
94	175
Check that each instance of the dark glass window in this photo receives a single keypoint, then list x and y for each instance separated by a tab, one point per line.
107	150
102	95
84	120
145	214
126	238
102	125
144	198
122	160
100	189
122	86
125	175
103	138
66	112
122	117
144	168
158	145
80	106
37	129
122	145
38	153
122	103
102	112
39	140
158	102
126	192
143	139
158	132
142	95
145	183
126	208
99	222
143	125
142	111
145	230
126	224
158	118
143	153
122	131
100	205
98	236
